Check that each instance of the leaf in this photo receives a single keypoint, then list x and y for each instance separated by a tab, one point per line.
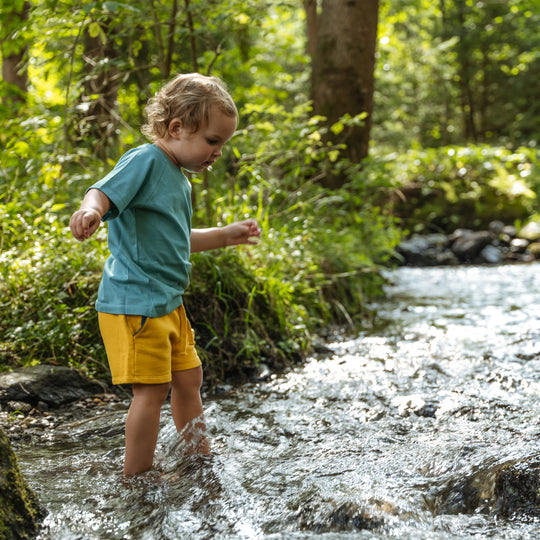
337	128
89	7
242	18
21	148
333	155
94	29
111	6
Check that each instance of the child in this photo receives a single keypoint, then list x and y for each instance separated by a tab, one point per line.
147	198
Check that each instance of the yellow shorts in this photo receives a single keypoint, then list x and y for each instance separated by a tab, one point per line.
147	350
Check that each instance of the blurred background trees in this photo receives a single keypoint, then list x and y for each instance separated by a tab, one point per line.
458	72
344	108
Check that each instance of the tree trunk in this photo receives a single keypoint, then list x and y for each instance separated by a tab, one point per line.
343	69
465	77
14	51
101	84
310	7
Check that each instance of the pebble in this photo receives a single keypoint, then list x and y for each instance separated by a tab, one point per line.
22	422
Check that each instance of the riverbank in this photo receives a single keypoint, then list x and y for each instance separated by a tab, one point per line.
499	244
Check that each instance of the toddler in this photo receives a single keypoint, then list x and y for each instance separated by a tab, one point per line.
146	199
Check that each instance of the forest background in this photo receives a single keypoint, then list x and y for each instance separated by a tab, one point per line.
344	106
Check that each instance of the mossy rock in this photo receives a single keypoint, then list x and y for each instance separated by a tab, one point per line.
20	512
510	490
517	488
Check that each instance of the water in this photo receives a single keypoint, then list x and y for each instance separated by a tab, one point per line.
381	438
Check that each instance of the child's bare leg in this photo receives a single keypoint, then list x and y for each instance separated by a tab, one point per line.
186	406
142	426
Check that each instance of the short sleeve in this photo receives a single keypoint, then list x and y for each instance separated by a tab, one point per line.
123	183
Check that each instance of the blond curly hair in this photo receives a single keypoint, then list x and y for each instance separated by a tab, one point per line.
190	98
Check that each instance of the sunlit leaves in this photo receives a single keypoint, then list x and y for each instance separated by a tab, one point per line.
441	63
466	186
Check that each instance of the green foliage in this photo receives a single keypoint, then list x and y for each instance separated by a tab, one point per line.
318	261
47	292
457	72
47	282
446	188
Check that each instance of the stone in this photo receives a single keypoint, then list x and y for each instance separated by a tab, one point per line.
468	245
326	516
509	231
517	489
491	255
20	512
423	250
531	231
518	245
51	385
534	248
19	406
496	227
446	258
506	491
498	245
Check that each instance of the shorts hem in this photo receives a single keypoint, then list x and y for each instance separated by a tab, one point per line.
139	380
158	380
186	367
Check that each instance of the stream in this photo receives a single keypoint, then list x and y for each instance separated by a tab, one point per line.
375	439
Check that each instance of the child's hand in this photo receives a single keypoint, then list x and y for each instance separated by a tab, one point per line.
242	232
84	223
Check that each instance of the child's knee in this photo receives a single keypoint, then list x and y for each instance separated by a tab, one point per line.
188	380
151	393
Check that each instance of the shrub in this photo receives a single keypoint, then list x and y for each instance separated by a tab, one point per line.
446	188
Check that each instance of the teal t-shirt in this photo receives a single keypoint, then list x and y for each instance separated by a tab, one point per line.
149	233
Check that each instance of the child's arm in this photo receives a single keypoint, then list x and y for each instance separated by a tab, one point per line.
85	221
242	232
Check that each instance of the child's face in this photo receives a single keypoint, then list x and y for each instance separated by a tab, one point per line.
195	151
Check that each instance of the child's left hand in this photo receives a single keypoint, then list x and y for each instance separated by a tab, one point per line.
242	232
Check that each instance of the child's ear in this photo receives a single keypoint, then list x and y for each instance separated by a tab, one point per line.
175	127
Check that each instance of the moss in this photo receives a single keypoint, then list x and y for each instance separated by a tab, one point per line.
19	509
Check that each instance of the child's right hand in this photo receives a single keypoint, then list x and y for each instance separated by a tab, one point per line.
84	223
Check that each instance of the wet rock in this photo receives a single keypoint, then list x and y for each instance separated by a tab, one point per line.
425	250
509	231
19	406
534	249
51	385
415	404
446	258
496	227
518	245
471	494
531	231
498	245
505	490
468	244
324	516
20	512
517	489
42	406
491	255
